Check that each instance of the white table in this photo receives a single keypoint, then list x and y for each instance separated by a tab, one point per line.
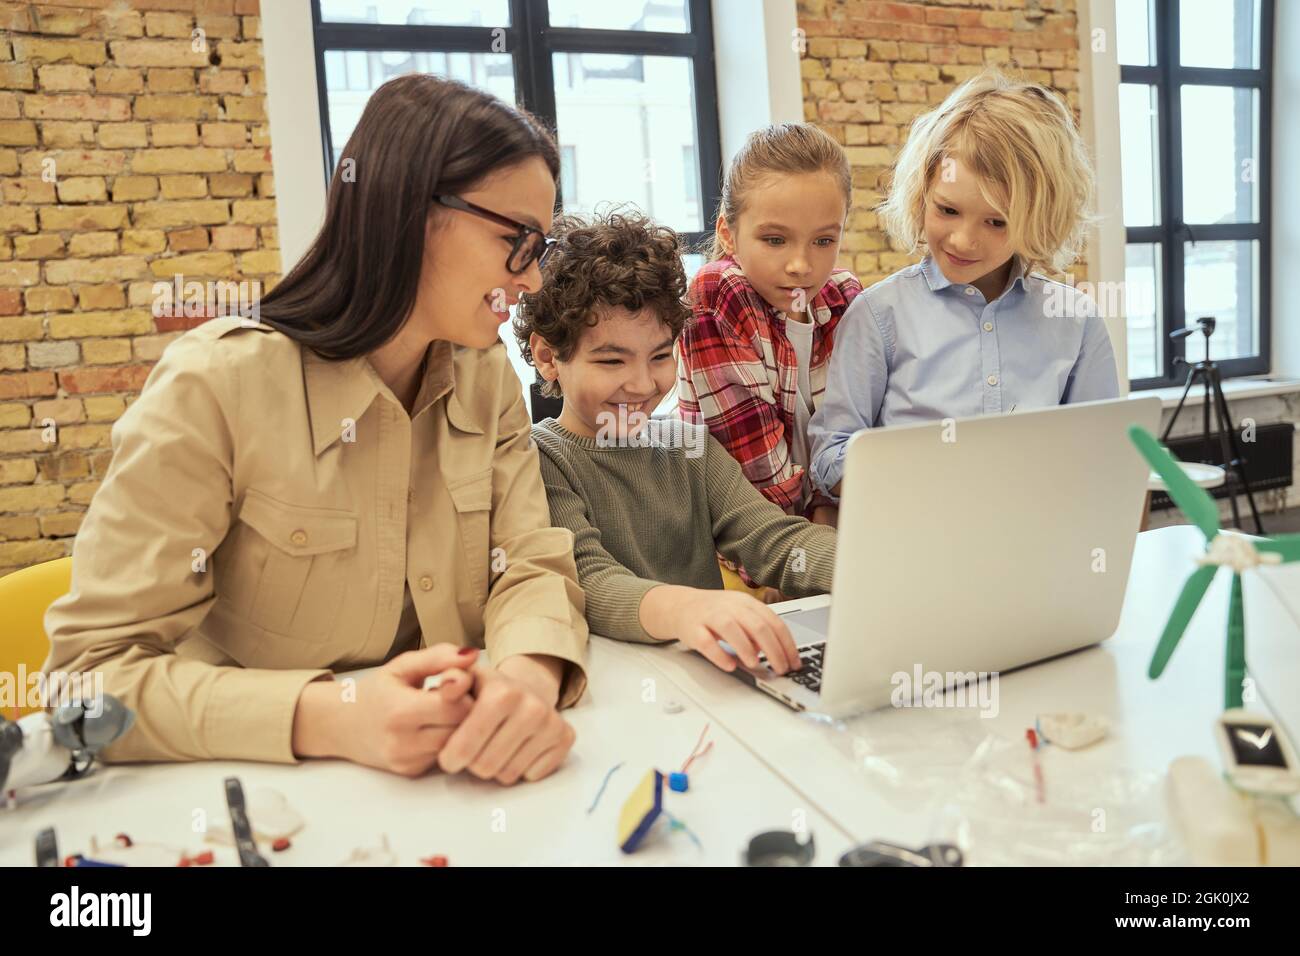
1202	475
769	769
621	719
1152	722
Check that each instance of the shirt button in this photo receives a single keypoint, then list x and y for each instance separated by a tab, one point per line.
426	583
299	537
988	326
970	290
993	379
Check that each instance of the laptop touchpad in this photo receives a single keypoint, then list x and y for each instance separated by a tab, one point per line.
809	626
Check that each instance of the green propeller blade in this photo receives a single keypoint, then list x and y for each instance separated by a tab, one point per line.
1180	617
1234	665
1287	545
1191	499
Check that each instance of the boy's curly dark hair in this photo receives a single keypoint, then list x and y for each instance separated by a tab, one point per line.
617	258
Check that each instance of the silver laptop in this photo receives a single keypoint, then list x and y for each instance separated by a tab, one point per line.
970	545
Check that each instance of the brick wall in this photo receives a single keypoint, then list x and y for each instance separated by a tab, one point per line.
133	148
870	68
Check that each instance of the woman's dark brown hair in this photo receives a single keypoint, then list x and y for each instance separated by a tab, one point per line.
419	135
617	258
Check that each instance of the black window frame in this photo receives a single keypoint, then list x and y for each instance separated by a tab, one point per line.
532	42
1168	76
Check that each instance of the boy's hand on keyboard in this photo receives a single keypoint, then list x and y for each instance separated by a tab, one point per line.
703	618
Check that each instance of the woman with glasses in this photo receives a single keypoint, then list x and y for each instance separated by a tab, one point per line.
344	479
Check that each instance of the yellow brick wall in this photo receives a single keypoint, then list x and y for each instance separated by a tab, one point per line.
134	147
869	68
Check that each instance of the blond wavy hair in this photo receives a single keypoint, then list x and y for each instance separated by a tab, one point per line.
1033	168
781	148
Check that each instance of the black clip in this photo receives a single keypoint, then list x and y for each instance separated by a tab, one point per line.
47	848
879	853
781	848
243	830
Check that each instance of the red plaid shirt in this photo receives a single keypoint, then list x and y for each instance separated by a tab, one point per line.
738	373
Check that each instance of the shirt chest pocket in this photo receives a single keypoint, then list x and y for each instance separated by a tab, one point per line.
472	496
293	566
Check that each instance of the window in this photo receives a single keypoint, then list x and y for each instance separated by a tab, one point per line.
628	86
1194	107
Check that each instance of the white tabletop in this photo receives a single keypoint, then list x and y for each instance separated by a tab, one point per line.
895	783
1203	475
893	775
472	822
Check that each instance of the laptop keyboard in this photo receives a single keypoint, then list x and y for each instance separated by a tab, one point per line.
810	675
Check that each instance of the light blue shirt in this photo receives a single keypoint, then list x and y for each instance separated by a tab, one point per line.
916	348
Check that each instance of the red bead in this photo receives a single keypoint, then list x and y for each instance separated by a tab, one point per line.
204	858
281	844
434	861
71	860
122	839
185	861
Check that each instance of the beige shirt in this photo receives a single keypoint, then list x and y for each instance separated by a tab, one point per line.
265	512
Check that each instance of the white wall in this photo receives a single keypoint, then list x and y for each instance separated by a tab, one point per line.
1099	102
297	155
757	58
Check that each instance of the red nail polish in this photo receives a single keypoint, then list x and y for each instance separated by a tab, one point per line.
466	651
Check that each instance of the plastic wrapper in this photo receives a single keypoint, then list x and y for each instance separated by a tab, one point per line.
909	755
980	791
1107	818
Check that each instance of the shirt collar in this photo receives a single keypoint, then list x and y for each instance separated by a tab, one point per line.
934	276
828	298
937	281
341	389
1019	274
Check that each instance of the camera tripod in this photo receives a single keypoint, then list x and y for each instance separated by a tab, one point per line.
1234	464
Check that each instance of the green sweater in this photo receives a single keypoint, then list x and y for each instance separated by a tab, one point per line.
660	513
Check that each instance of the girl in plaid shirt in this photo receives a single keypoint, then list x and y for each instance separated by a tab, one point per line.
752	362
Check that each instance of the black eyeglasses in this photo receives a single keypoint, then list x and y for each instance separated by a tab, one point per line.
530	244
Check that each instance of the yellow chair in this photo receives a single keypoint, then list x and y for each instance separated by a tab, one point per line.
25	595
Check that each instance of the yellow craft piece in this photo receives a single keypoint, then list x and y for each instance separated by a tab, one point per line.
640	810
